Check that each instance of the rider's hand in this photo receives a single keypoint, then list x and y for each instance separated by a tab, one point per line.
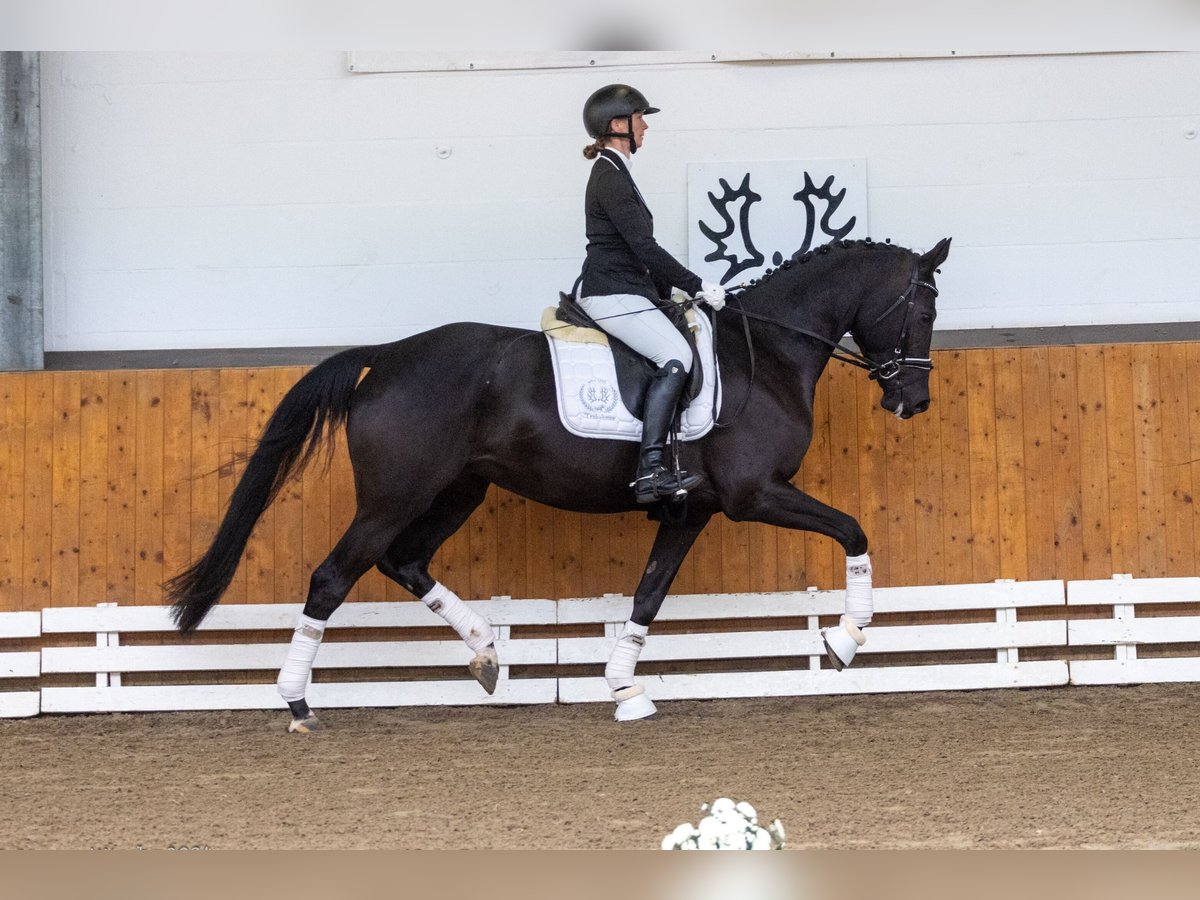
712	294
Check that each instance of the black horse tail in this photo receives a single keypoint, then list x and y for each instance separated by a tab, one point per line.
306	418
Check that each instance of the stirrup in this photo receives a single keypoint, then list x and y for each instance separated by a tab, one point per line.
662	484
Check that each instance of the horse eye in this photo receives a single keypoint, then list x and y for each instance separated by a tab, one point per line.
927	318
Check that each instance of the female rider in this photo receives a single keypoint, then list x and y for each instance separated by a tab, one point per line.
627	276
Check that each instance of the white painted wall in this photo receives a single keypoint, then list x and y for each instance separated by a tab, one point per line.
231	200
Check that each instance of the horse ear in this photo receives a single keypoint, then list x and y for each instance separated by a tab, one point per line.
935	257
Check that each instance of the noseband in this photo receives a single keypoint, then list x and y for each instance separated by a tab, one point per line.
891	368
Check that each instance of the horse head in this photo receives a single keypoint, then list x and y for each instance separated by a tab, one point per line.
895	331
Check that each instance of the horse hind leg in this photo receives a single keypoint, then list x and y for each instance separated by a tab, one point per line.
363	544
407	563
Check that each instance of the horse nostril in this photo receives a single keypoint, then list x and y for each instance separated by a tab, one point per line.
919	408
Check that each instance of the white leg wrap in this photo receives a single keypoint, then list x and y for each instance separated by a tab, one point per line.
860	603
471	626
619	671
293	677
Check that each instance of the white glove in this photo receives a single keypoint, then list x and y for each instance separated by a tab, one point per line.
712	294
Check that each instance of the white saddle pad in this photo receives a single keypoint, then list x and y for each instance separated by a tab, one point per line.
589	402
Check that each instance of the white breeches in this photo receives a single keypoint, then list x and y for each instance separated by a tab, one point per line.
641	325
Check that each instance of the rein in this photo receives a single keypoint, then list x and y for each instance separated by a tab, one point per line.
880	372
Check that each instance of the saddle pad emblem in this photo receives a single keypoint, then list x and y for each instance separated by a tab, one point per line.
589	400
598	396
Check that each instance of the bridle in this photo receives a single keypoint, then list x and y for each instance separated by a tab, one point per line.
888	370
876	371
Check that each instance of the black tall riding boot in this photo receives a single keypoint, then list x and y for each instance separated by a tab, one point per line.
654	480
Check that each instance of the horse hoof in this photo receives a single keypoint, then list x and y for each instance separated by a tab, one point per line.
305	726
842	642
633	704
485	668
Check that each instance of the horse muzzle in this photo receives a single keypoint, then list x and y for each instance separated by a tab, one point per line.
905	400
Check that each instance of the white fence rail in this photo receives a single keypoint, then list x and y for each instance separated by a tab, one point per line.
1006	636
1172	638
109	659
952	637
23	664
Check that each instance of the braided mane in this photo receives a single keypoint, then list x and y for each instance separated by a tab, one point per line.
801	259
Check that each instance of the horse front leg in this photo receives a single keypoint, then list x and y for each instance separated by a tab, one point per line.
671	546
785	505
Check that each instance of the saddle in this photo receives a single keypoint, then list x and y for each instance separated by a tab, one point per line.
634	371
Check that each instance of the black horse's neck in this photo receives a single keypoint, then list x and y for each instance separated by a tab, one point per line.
823	290
820	292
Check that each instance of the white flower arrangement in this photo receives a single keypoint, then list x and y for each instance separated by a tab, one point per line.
728	825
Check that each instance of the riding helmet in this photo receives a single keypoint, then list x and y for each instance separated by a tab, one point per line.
613	101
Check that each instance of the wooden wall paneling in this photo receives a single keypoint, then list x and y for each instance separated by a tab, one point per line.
1122	453
985	513
206	459
234	444
567	549
177	471
620	533
1193	368
39	488
539	549
872	479
122	481
1011	471
1179	491
511	565
1066	466
484	548
708	559
816	480
12	492
260	549
735	556
928	501
791	567
1148	460
1193	418
303	512
1037	448
93	488
1056	462
957	536
1094	463
148	489
903	548
64	516
763	555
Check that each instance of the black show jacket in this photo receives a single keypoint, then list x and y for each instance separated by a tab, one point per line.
622	255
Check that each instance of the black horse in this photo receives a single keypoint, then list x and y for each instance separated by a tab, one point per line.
443	414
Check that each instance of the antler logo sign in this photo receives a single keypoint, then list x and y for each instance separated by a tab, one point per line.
786	206
733	232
